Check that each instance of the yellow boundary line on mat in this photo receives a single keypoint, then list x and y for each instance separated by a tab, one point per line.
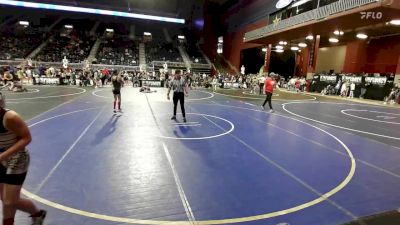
206	222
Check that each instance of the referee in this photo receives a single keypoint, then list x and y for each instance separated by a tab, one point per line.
179	86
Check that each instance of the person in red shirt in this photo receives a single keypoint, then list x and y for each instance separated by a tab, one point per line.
105	73
270	84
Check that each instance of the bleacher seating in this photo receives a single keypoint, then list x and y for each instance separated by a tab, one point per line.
75	46
118	51
15	45
194	54
159	50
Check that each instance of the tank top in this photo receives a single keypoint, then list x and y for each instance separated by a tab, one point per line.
7	138
116	84
19	162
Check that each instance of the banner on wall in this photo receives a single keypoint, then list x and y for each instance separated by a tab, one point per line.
311	54
376	80
328	79
230	85
151	83
352	79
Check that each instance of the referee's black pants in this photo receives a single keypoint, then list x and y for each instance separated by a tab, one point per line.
268	99
179	96
261	87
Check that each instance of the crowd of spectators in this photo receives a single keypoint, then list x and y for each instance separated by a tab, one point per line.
118	51
194	54
157	50
75	46
18	46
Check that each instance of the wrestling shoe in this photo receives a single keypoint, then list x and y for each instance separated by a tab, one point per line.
39	219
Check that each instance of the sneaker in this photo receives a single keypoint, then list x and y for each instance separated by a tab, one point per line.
263	107
120	110
271	111
115	111
173	118
39	220
184	119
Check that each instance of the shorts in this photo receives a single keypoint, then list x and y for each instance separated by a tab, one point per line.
116	92
12	179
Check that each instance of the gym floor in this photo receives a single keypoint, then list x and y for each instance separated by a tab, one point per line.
314	161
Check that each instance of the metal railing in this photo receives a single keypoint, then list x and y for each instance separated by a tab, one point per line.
315	14
23	62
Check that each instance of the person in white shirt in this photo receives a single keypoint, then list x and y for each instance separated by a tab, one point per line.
352	88
343	91
28	74
302	84
215	83
261	81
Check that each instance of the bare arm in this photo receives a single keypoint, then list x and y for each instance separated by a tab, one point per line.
14	123
121	81
276	86
186	89
169	90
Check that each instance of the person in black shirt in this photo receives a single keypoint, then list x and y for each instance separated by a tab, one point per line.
117	83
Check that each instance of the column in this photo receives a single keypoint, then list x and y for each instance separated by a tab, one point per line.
312	58
267	58
397	77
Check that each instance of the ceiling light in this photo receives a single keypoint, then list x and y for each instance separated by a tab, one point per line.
310	37
362	36
69	26
88	10
333	40
338	32
24	23
147	33
283	43
264	49
298	3
283	3
181	37
294	48
280	50
395	22
109	30
279	47
303	45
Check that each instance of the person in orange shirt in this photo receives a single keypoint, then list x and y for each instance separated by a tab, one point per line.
269	85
